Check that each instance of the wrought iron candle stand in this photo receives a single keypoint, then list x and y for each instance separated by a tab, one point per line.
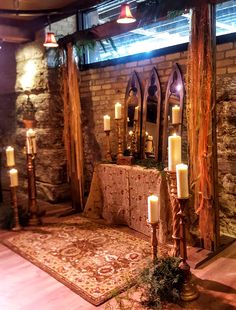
189	291
34	219
154	241
108	146
119	151
16	226
172	186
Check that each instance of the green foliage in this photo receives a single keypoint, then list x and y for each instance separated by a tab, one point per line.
56	56
162	282
150	163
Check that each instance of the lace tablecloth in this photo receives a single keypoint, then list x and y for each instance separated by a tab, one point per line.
119	195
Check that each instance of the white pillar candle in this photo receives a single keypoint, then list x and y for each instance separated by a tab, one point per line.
10	156
117	110
176	115
182	181
31	141
107	122
153	209
174	152
149	146
135	113
13	177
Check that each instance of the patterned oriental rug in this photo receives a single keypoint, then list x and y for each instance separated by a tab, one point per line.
93	260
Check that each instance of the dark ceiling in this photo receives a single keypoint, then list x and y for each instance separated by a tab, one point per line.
20	19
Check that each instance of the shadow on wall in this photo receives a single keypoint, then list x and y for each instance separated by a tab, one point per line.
7	101
7	92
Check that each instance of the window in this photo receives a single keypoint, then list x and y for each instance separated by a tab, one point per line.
154	36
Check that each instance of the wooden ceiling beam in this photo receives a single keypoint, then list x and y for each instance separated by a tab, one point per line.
68	9
14	34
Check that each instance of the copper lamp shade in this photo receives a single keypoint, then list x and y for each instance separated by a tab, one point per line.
126	16
50	40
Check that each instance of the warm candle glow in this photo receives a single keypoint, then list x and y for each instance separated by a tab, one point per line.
13	177
31	141
117	110
182	181
176	115
153	209
174	152
136	113
149	146
107	123
10	156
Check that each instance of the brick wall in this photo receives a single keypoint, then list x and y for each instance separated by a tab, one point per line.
101	88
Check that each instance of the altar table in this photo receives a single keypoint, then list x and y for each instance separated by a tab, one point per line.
119	194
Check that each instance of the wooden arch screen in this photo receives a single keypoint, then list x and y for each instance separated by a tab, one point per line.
152	109
134	98
174	96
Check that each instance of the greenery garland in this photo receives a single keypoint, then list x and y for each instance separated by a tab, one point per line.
162	282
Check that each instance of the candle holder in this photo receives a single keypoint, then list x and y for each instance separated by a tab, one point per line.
176	127
189	291
119	151
154	241
108	146
16	226
172	187
34	219
134	139
133	144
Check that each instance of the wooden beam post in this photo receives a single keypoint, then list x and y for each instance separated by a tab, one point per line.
201	117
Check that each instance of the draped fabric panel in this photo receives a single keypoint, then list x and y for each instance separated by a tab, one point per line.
200	104
72	129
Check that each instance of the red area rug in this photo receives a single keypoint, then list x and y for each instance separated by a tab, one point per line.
93	260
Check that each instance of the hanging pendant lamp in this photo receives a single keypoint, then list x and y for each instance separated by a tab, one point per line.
126	16
50	40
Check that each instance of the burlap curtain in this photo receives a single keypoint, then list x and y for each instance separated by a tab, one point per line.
72	129
200	107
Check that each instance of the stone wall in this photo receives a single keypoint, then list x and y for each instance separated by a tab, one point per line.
100	89
33	76
43	84
25	69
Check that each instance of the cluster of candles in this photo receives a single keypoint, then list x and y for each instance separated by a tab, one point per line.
30	148
107	118
174	165
11	163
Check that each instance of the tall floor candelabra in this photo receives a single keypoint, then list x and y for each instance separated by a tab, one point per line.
108	146
189	291
16	225
34	219
175	209
154	240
